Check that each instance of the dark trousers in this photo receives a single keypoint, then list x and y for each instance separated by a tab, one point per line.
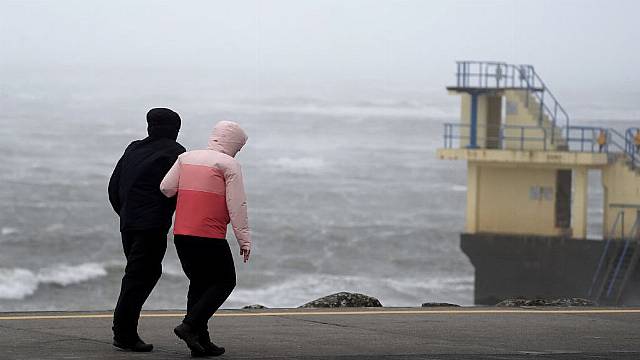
144	251
208	264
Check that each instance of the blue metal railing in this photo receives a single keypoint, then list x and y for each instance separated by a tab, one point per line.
627	241
631	146
500	75
605	251
520	134
584	138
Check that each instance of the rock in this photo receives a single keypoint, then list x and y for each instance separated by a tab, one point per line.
546	302
255	306
573	302
437	304
343	299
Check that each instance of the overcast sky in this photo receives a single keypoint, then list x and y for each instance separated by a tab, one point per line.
595	44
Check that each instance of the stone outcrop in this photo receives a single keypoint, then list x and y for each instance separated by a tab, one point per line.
255	306
546	302
437	304
343	299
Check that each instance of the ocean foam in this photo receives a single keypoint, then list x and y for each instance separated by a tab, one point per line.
19	283
16	284
8	231
303	164
459	188
298	290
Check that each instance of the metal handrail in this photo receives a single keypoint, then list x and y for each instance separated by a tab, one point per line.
590	139
449	135
522	138
489	74
630	144
627	241
605	251
612	135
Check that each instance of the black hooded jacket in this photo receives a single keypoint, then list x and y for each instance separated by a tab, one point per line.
134	187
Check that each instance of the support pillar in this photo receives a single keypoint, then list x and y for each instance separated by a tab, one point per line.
579	203
473	180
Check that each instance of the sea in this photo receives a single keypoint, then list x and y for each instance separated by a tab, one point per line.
343	196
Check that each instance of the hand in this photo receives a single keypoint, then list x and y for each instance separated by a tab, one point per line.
245	253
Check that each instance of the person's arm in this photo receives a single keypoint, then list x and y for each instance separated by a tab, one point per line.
237	206
169	185
114	187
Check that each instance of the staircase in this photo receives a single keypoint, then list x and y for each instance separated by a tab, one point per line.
617	263
538	117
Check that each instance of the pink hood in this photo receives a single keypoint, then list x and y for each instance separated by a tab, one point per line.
227	137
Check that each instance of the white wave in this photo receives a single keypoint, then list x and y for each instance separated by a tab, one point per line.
19	283
392	292
64	275
172	269
371	108
54	227
8	231
304	164
459	188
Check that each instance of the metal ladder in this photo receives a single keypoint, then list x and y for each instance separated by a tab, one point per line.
617	263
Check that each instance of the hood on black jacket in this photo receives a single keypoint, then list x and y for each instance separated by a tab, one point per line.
163	123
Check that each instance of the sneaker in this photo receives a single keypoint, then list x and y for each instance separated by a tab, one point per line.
136	346
190	337
210	349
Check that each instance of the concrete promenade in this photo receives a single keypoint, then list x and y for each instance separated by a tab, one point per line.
387	333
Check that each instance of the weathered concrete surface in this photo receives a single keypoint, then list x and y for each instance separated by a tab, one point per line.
381	333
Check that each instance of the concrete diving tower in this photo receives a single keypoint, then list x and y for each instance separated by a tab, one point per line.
527	190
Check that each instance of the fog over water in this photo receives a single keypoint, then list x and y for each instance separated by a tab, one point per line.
343	102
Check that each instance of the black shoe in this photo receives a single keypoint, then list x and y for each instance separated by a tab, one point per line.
190	337
210	349
136	346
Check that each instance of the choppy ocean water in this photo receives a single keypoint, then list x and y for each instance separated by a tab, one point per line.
341	198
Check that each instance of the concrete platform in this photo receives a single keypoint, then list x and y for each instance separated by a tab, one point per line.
388	333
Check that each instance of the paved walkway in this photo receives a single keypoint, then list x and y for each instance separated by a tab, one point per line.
388	333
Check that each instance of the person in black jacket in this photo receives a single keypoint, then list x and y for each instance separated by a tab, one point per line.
145	218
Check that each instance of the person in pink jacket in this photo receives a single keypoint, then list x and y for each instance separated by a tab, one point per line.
211	194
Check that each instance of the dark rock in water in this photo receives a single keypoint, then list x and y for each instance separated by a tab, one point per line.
255	306
546	302
343	299
437	304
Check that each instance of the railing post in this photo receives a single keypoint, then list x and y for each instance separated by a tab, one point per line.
445	136
473	132
522	138
540	116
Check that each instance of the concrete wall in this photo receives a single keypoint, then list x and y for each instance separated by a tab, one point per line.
621	186
511	200
510	266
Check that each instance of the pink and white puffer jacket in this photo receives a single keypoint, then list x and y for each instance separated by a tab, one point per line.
210	188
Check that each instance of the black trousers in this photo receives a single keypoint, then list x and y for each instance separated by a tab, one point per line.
144	251
208	264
